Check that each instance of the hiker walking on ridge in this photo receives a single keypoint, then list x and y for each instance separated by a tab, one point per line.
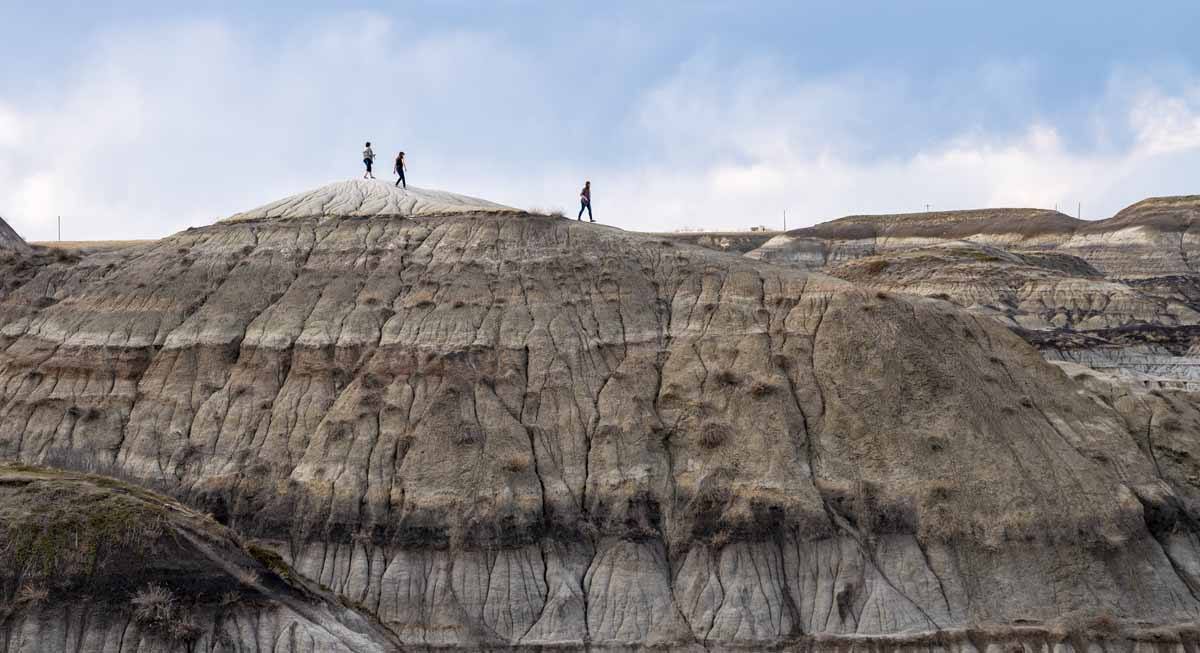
368	159
585	201
399	170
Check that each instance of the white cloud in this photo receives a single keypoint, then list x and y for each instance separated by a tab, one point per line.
169	126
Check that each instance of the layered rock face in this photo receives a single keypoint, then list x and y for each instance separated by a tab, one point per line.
91	564
9	240
495	429
1119	294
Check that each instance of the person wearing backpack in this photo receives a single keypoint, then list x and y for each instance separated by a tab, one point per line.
368	159
585	201
399	170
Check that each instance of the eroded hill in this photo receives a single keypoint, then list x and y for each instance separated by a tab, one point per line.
1120	295
490	428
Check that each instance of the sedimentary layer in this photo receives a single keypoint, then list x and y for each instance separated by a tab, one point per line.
92	564
494	429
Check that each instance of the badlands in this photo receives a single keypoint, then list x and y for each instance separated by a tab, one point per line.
369	419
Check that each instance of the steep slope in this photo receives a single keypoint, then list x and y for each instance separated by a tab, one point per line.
91	564
9	240
495	428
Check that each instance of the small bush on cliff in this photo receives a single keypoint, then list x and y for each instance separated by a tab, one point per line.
873	268
153	605
157	608
31	594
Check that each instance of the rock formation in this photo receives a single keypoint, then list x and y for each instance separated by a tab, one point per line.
9	240
93	564
487	428
359	198
1119	294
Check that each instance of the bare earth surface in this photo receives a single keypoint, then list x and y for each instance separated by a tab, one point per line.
1120	295
487	429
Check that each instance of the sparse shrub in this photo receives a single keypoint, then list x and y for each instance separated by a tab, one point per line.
762	389
32	595
190	451
1027	402
153	605
873	268
231	598
247	249
714	434
882	295
516	463
247	577
372	381
727	378
1171	424
940	295
467	435
339	431
63	256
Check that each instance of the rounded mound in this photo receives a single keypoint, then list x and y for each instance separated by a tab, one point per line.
360	198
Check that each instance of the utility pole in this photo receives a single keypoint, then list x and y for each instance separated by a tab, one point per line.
785	219
60	228
927	207
1079	211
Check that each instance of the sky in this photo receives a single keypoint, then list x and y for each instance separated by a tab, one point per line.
140	119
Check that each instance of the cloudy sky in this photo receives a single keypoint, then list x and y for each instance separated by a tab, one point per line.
151	117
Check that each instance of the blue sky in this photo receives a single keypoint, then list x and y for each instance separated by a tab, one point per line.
144	118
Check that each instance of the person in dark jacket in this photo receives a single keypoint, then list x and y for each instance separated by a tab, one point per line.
399	170
585	201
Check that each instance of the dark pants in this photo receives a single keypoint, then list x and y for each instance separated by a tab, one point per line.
368	164
585	204
401	179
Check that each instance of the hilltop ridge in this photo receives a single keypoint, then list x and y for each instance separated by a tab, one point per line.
368	198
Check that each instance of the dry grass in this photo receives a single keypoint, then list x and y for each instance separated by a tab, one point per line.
762	389
873	268
727	378
31	594
248	577
714	434
90	245
153	605
516	463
